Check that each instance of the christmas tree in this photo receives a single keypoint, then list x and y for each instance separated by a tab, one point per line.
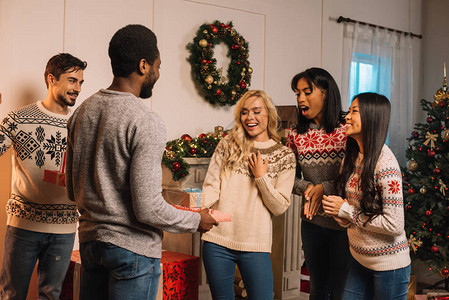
426	181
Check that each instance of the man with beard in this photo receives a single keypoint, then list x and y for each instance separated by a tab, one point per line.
114	175
41	221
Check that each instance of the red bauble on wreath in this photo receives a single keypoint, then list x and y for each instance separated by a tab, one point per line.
434	249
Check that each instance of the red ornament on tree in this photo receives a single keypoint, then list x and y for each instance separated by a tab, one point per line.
204	61
202	136
411	191
431	153
215	30
429	119
434	249
441	103
437	170
242	85
415	134
445	272
218	92
429	213
176	166
186	137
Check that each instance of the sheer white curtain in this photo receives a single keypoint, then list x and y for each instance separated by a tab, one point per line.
378	60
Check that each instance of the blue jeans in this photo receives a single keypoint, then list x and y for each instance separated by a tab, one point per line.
364	283
255	267
111	272
23	248
327	258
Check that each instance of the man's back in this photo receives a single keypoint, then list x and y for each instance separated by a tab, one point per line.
114	171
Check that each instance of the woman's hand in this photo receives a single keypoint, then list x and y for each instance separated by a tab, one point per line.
341	222
257	165
315	196
332	204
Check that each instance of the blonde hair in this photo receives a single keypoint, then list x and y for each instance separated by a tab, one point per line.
239	144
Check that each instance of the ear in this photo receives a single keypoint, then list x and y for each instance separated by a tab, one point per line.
51	79
143	67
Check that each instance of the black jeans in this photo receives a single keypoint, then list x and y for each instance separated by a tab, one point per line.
327	258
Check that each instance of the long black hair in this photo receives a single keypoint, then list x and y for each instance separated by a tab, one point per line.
332	113
375	117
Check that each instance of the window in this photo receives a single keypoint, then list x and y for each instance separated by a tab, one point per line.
369	73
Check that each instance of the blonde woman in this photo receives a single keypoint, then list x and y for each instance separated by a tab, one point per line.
250	175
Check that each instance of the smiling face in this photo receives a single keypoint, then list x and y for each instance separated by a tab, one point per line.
310	101
66	90
354	122
254	119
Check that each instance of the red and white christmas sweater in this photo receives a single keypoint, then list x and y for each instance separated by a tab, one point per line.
319	155
380	244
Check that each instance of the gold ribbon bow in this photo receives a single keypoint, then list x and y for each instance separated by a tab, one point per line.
442	187
441	95
431	138
414	243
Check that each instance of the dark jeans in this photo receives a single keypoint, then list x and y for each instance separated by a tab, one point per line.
367	284
111	272
255	267
327	258
22	249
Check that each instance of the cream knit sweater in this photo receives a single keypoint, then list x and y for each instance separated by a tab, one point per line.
252	202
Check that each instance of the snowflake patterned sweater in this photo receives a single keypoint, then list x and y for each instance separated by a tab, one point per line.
319	156
381	244
38	137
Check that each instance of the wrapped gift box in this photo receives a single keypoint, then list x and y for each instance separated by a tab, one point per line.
180	276
190	197
56	177
71	285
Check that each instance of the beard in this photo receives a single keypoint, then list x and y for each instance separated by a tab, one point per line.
147	87
66	101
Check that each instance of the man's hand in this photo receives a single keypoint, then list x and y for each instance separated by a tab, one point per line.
207	221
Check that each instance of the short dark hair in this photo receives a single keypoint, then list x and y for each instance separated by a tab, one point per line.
63	63
332	113
128	46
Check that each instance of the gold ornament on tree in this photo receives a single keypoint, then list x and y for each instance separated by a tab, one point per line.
423	190
445	134
209	79
443	93
412	165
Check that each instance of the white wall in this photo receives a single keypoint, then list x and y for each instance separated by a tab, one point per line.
285	37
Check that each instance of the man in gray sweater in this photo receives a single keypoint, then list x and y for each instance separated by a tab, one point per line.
114	174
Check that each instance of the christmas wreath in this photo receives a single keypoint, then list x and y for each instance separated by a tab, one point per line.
201	146
218	89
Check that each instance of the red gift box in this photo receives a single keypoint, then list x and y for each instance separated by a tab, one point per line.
71	285
180	276
56	177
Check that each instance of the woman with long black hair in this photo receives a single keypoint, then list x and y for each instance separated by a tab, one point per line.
370	181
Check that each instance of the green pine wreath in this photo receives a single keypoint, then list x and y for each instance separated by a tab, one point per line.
216	89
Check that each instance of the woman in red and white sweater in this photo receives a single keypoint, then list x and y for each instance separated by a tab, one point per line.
370	181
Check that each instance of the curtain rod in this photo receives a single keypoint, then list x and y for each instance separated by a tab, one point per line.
348	20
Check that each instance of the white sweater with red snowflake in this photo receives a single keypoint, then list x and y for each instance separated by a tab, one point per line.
380	244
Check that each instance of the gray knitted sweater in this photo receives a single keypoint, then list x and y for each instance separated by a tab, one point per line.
114	174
